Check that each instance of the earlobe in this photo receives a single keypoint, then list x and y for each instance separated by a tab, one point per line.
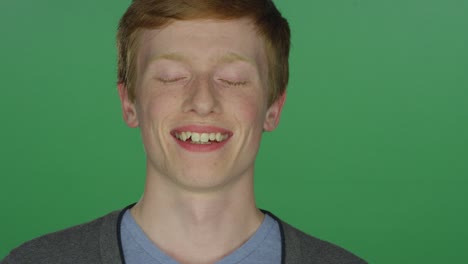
273	113
128	107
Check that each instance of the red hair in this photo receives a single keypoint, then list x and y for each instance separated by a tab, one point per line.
154	14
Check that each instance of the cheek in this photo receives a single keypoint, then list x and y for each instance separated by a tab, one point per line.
158	100
251	112
155	109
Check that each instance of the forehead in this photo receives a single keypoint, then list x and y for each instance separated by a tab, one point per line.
205	41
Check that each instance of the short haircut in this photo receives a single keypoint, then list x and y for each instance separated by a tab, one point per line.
155	14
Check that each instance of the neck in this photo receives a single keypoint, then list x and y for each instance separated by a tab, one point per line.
198	227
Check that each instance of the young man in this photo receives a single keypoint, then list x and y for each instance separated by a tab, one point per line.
202	80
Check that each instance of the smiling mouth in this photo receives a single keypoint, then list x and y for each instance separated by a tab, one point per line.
201	138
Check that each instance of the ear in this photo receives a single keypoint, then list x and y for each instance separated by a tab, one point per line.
273	113
128	107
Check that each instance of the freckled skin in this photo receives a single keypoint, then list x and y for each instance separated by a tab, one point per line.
201	73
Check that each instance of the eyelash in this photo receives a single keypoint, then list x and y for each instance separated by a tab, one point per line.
233	83
166	81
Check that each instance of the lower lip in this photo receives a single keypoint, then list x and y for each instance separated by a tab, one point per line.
187	145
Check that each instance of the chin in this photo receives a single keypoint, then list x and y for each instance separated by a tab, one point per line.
203	182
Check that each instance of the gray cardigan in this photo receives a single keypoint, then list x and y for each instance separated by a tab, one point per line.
98	241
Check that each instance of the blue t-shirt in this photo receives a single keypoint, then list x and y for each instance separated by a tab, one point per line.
264	247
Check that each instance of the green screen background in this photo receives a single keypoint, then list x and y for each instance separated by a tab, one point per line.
371	152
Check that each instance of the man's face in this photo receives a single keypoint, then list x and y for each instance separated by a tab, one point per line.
201	101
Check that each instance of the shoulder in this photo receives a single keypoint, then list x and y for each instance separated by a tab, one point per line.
299	247
68	245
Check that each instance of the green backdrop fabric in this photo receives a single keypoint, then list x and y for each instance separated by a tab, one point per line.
371	152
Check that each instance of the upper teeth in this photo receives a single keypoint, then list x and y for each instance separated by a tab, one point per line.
203	138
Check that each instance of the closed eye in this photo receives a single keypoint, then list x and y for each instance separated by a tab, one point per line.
232	83
170	80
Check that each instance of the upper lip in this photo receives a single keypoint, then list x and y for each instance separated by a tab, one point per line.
201	129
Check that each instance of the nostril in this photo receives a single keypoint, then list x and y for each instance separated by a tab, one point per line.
203	100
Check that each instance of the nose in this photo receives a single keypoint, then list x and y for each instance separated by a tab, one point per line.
202	98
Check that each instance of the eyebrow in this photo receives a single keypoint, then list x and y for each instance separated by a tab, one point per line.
229	57
233	57
169	56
